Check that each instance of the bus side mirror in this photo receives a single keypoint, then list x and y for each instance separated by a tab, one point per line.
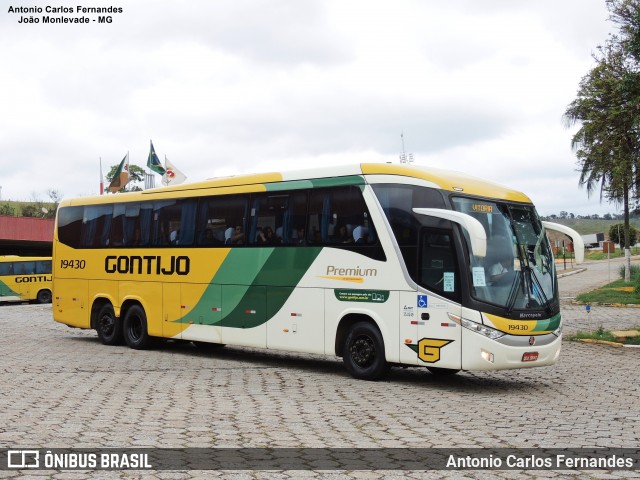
477	235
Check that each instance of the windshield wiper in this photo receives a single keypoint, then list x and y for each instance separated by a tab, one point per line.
513	293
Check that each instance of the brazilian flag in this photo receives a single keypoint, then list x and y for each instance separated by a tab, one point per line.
153	162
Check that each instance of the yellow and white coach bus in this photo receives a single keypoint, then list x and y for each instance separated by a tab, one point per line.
25	279
378	264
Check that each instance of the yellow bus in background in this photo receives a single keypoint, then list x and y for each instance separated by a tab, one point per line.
25	279
379	264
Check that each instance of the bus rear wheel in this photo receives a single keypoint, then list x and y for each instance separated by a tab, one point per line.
44	296
109	328
135	328
363	352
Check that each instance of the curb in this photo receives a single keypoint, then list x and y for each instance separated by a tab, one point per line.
605	342
600	342
560	275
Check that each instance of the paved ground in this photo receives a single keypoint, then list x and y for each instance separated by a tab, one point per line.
589	276
61	388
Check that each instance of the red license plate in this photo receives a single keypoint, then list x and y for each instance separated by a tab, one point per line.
530	356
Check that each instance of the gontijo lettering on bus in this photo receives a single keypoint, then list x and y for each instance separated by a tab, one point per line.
147	264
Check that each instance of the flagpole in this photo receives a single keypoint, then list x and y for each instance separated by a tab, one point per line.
101	179
165	169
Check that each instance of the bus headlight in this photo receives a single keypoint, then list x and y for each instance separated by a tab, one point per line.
558	331
492	333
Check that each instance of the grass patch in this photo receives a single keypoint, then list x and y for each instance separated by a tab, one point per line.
605	335
614	292
597	254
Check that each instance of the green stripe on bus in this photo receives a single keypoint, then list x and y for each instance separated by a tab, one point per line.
242	281
5	290
550	324
315	183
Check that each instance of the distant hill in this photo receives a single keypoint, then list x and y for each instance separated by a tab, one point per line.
585	226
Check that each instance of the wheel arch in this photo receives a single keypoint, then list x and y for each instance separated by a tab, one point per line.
119	311
345	324
130	302
96	306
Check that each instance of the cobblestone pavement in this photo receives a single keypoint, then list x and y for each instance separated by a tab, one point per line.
61	388
586	278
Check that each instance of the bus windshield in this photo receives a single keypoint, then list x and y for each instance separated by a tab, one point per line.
518	271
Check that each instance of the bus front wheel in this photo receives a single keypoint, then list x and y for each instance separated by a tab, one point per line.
135	328
363	352
109	328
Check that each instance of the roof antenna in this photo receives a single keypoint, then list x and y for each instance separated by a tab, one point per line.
405	158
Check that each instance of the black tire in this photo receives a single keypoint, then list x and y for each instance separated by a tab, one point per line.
363	352
44	296
109	327
135	328
442	372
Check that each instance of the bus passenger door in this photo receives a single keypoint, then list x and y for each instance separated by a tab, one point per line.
439	336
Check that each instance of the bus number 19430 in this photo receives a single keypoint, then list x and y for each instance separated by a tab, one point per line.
75	264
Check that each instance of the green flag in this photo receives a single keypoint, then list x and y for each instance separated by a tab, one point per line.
121	176
153	162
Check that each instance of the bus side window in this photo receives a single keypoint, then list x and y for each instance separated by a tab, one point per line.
278	219
438	267
70	225
96	226
174	222
221	220
339	216
43	266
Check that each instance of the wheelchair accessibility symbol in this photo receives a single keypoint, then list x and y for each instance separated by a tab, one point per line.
422	301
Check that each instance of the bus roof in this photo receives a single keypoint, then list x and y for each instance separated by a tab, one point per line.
340	175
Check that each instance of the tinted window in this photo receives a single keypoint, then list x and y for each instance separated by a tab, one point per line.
339	216
221	220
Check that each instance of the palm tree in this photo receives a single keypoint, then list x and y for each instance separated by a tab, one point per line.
607	144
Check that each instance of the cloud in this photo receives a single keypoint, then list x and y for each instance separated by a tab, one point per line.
229	87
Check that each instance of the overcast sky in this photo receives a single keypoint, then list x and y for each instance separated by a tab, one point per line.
228	87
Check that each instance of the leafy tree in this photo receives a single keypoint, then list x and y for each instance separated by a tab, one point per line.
617	231
136	175
6	210
31	210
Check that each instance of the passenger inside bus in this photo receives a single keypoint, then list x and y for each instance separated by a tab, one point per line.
234	235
